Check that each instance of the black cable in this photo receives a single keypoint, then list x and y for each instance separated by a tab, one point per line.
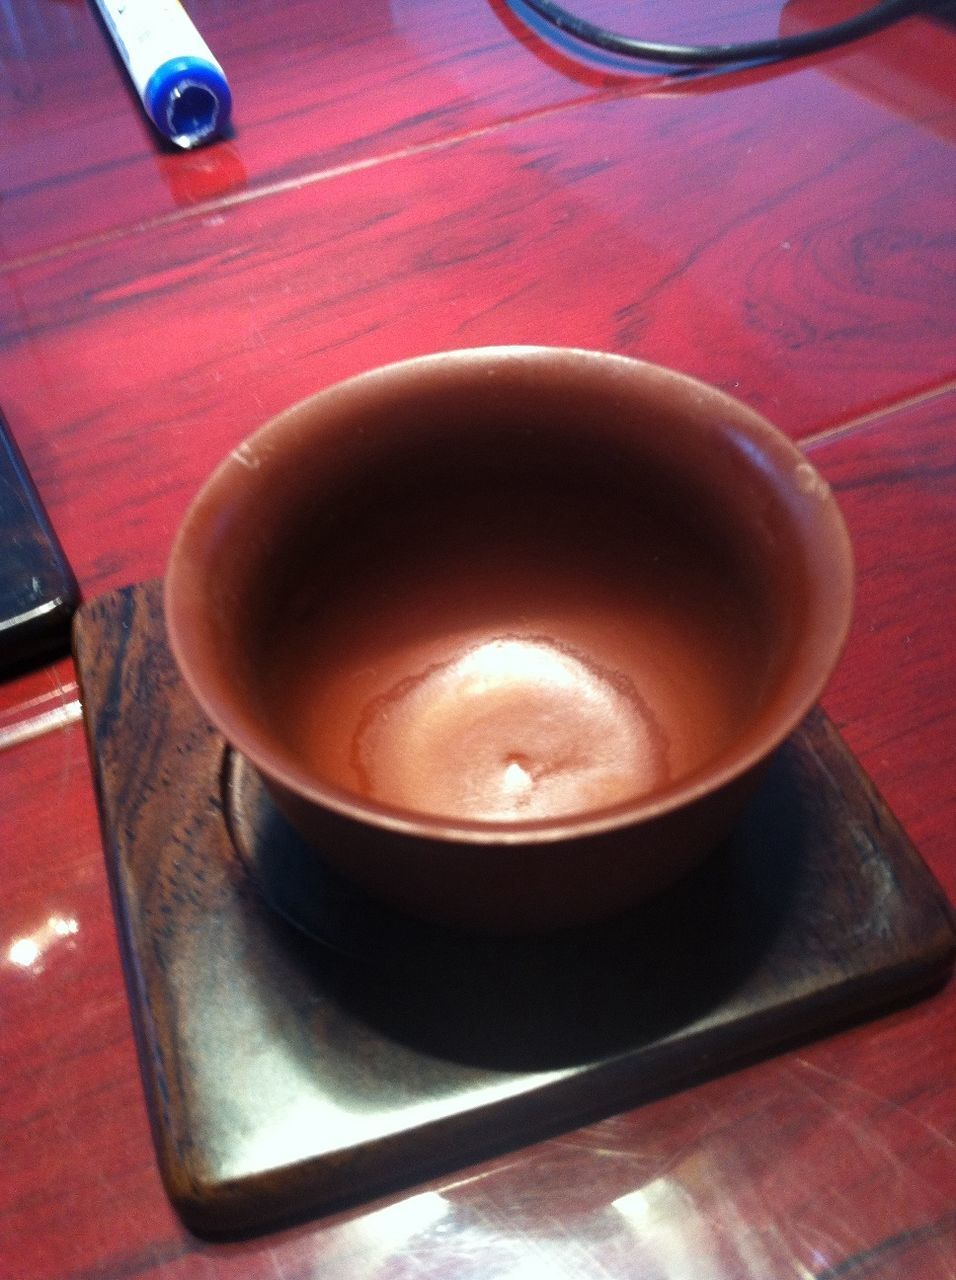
692	55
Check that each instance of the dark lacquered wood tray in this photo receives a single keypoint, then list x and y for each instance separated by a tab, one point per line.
287	1075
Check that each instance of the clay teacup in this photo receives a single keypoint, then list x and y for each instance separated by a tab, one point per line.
509	632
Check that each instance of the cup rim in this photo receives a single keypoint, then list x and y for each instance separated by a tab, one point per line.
238	727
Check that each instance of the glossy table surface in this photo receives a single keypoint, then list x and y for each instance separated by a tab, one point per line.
407	176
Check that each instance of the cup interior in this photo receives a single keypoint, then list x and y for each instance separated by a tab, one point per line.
509	589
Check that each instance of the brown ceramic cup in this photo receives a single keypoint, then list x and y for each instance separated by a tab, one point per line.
509	632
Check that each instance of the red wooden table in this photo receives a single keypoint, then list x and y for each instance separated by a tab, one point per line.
408	176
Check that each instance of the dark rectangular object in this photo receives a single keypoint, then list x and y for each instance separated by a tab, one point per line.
283	1078
37	588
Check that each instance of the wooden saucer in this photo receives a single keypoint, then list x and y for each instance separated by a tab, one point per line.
290	1069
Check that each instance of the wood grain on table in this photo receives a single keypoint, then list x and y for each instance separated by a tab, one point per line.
809	285
315	91
407	177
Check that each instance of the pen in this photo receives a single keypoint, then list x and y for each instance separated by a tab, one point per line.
181	85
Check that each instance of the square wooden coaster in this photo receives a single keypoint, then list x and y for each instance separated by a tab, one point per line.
284	1076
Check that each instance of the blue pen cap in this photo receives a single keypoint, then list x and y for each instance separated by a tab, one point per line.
188	100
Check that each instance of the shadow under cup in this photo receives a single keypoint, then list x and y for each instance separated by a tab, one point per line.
508	632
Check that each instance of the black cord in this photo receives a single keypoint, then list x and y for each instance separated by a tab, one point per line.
694	55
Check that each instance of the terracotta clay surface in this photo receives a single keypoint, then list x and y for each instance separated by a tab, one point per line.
542	612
